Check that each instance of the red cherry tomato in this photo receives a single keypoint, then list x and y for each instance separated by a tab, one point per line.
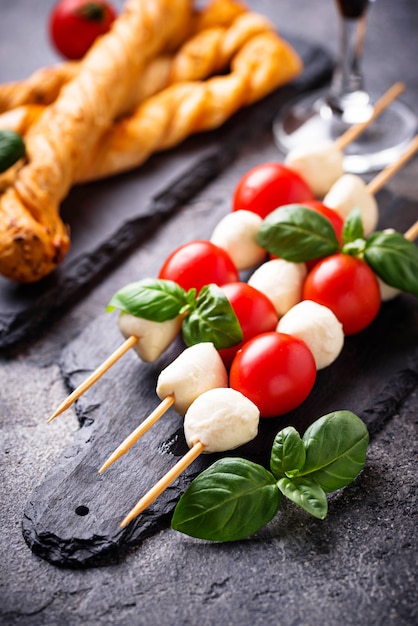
348	287
197	264
268	186
274	370
75	24
255	312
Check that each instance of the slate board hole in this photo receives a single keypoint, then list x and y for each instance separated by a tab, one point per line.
82	510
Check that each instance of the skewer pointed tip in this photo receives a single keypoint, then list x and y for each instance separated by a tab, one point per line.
57	412
164	483
94	377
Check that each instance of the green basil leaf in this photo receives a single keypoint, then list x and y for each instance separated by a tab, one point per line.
230	500
353	227
296	233
151	299
305	493
336	447
12	148
213	319
394	259
288	453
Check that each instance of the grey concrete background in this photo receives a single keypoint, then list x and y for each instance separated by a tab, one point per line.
357	567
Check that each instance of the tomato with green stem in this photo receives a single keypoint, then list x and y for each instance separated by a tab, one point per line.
268	186
75	24
347	286
274	370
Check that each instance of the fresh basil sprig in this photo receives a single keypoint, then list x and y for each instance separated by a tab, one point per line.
298	234
394	259
152	299
353	234
212	319
207	317
235	497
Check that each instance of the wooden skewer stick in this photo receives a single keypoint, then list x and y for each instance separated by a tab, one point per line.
138	432
98	373
352	133
412	232
164	482
382	178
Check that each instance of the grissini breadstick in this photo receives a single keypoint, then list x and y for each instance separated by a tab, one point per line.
41	87
161	122
33	238
203	54
44	85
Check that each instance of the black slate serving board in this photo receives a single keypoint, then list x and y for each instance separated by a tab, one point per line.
72	519
110	218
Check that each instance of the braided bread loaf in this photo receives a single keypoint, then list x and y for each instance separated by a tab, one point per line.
206	52
45	84
79	137
33	239
163	121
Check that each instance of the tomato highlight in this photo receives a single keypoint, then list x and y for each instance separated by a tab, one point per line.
199	263
274	370
267	187
347	286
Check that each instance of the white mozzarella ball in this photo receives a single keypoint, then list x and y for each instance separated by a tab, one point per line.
350	192
154	337
222	419
319	164
237	234
318	327
281	281
196	370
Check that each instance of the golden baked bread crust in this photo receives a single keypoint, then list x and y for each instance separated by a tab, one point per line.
85	133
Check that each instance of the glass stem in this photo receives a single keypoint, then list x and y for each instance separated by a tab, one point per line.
347	82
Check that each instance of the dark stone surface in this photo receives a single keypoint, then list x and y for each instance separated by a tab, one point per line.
356	567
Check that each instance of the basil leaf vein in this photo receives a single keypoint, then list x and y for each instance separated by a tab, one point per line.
212	319
296	233
336	447
151	299
353	227
394	259
307	494
288	453
230	500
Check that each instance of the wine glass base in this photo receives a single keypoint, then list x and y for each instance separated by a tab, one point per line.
310	119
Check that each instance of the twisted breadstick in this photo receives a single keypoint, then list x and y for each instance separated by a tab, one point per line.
33	238
44	85
262	64
205	53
